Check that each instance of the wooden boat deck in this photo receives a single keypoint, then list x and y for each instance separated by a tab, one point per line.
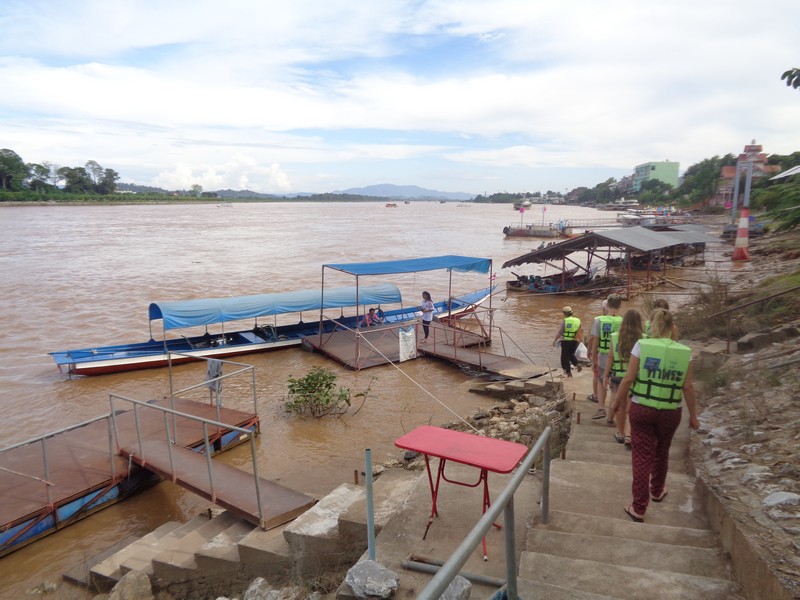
380	346
79	461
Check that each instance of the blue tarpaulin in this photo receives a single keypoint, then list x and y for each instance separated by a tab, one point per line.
190	313
412	265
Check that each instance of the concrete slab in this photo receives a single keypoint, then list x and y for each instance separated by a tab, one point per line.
621	581
222	551
626	529
703	562
177	556
459	510
140	559
389	492
604	490
314	537
267	553
106	573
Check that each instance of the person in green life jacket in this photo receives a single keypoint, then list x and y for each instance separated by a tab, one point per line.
619	353
570	334
599	342
659	376
660	303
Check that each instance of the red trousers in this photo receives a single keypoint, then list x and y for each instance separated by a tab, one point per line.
652	431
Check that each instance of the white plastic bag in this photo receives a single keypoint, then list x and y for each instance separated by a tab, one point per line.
582	352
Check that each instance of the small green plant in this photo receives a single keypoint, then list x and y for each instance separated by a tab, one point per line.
316	394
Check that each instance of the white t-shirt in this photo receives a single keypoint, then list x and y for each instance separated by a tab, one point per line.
427	310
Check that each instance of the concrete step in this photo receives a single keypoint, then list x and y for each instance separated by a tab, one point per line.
266	553
605	433
176	560
621	459
106	573
528	589
703	562
314	537
626	529
605	490
142	559
677	454
619	581
389	492
220	554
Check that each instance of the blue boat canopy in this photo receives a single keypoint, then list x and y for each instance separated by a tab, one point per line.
412	265
190	313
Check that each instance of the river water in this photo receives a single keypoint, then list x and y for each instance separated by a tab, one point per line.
73	277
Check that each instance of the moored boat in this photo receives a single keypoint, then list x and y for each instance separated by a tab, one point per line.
568	280
553	230
260	337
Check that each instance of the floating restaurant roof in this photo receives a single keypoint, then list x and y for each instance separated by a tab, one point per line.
631	239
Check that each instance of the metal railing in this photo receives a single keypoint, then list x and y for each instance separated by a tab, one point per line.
214	380
170	437
42	439
729	311
503	502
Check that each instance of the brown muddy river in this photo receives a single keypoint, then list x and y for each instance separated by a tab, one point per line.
74	277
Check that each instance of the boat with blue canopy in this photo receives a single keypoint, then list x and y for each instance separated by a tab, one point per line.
264	335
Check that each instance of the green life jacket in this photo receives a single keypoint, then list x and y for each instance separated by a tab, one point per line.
618	366
608	325
571	326
663	364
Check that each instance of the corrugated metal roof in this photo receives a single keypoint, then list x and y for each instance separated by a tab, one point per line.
635	239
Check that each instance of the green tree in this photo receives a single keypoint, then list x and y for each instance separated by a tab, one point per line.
13	170
76	180
701	179
792	77
654	191
108	183
95	171
197	189
38	176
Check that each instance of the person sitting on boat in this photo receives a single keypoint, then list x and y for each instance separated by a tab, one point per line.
371	318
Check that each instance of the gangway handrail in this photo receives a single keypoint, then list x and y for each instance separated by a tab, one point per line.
503	502
205	423
245	367
43	440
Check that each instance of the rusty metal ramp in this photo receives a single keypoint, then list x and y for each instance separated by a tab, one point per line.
226	486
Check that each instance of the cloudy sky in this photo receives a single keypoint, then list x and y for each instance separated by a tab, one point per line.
461	96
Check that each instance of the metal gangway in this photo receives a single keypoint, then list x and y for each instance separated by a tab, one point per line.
156	448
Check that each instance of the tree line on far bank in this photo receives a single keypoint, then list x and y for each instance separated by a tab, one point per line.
21	181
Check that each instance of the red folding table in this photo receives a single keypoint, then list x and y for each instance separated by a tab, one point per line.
486	454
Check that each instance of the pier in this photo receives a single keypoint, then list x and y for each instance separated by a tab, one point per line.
56	479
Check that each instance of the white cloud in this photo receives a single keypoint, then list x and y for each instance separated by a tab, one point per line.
290	96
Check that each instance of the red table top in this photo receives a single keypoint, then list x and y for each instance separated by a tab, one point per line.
498	456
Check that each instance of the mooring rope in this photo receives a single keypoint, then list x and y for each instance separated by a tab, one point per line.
416	383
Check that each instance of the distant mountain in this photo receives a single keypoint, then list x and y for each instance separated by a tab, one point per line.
386	190
406	192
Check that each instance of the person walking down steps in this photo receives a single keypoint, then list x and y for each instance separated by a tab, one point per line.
659	376
570	334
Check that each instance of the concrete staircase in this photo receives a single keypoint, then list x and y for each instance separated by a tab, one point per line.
590	549
216	553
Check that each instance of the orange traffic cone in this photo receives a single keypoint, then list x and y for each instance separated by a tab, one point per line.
740	251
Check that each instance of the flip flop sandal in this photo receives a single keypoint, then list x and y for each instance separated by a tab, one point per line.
659	498
633	515
619	438
628	442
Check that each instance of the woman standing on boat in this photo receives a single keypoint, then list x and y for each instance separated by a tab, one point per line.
427	315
